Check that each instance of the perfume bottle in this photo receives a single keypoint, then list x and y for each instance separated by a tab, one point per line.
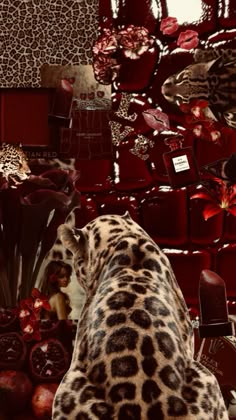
180	163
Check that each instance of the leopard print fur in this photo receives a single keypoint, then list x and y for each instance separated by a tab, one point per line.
37	32
211	77
133	356
13	164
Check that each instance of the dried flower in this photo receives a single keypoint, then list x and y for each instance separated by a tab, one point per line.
106	43
105	68
135	41
132	41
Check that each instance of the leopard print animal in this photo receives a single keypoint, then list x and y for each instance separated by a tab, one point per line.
133	356
211	77
13	164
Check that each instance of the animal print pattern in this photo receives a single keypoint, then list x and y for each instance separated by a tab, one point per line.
13	164
211	77
133	356
36	32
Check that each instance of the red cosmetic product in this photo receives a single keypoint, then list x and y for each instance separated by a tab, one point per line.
180	164
214	320
62	103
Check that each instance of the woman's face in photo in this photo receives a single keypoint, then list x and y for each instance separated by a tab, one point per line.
63	278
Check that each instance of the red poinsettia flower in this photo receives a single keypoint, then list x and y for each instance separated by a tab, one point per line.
169	25
220	197
40	301
188	39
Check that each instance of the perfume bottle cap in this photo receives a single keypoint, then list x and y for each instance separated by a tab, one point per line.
214	321
174	142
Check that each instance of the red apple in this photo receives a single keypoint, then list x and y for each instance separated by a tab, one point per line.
15	391
42	400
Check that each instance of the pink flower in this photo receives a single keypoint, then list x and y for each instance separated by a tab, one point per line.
106	43
188	39
156	119
105	68
135	41
169	25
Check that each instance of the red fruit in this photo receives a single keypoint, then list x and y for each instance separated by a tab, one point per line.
15	391
49	361
8	320
42	400
12	351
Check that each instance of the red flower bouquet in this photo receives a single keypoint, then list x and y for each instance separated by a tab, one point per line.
132	41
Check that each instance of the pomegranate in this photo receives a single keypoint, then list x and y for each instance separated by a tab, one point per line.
49	328
12	351
42	400
49	361
15	391
8	320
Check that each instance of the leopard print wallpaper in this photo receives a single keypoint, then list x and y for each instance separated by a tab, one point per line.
35	32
